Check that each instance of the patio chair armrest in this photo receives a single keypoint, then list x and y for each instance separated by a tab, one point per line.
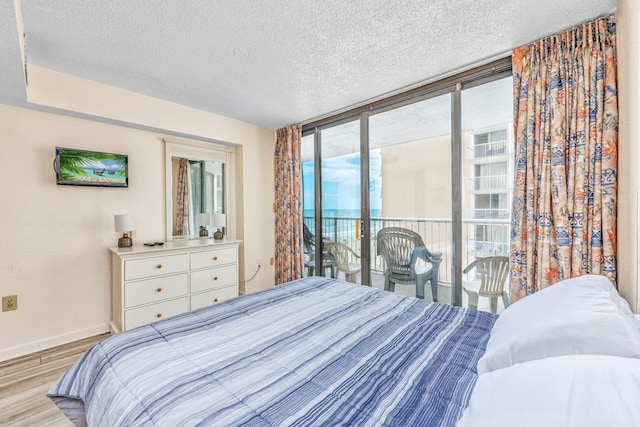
436	256
424	254
354	253
419	252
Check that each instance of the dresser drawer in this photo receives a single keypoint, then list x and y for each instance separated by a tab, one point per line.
152	313
150	284
211	278
152	290
213	258
212	297
155	266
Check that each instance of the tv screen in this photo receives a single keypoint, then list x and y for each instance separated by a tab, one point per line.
82	167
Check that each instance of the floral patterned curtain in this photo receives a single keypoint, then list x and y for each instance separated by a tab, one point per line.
182	219
288	191
565	183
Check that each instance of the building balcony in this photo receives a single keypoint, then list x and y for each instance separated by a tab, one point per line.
489	183
488	213
489	149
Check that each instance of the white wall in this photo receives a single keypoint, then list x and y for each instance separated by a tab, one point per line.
628	38
258	218
54	241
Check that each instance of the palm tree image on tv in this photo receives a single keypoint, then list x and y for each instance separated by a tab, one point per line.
80	167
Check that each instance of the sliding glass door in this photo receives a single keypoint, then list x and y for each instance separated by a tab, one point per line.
410	177
487	181
338	220
437	166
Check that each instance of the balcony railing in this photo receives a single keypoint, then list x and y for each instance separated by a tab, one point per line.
494	182
478	237
489	149
488	213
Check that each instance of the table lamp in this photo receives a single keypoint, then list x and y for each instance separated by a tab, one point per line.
219	220
204	219
125	224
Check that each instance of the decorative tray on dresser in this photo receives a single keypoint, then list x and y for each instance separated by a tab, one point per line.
149	283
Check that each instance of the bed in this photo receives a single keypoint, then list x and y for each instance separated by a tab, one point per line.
321	352
311	352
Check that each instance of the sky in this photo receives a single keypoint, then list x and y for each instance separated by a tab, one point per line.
341	182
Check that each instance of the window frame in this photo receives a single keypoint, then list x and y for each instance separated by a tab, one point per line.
454	85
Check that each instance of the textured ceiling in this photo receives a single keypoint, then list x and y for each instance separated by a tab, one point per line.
274	62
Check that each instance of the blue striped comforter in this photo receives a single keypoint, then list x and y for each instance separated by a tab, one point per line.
313	352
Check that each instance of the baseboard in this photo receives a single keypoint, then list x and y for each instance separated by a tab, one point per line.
50	342
113	328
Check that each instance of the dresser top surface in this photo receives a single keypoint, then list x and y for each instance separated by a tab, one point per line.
189	244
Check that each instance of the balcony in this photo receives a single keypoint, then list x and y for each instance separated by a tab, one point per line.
436	234
488	213
489	183
489	149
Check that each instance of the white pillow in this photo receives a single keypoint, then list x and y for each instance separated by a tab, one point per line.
584	315
565	391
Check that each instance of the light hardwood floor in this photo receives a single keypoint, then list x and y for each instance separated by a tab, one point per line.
24	383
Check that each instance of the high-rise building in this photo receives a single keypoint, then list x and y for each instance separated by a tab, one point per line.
489	187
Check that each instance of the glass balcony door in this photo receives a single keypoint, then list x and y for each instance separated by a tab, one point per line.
410	189
338	194
487	169
341	202
438	164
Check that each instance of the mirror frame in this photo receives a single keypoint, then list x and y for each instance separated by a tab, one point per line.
199	151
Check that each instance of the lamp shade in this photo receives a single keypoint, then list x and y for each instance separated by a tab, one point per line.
124	223
219	220
204	219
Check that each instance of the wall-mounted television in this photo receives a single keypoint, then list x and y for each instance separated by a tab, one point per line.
82	167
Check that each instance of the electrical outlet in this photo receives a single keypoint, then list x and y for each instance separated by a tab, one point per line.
10	303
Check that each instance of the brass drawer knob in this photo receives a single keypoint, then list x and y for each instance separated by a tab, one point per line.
215	258
159	315
215	278
215	300
159	266
159	290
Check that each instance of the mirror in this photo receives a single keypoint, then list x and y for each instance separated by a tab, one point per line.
197	190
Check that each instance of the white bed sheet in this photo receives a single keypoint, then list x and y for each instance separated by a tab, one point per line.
564	391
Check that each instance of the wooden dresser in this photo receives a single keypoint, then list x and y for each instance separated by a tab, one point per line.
149	283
